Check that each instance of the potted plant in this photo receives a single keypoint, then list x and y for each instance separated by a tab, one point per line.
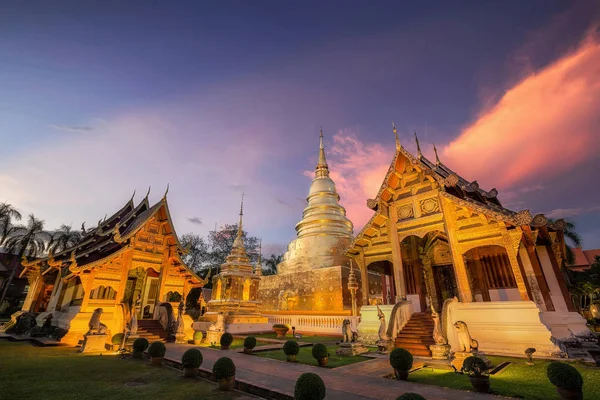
319	352
249	344
568	381
291	349
401	360
224	370
529	353
281	330
476	369
410	396
116	341
198	336
309	386
191	361
157	351
139	346
226	340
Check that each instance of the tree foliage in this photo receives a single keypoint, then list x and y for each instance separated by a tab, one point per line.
64	238
271	263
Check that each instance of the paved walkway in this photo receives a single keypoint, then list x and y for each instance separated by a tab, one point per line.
352	382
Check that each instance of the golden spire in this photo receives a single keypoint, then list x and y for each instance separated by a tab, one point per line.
418	147
396	134
322	168
258	269
437	159
239	242
166	191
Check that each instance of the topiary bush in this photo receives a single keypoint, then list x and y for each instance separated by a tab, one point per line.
141	344
198	336
564	376
309	386
224	368
401	359
291	348
192	358
117	338
319	350
250	342
226	339
157	350
411	396
474	366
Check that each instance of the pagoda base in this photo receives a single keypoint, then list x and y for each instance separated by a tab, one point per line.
248	324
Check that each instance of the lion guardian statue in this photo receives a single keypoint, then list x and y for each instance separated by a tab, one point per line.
347	333
96	327
465	342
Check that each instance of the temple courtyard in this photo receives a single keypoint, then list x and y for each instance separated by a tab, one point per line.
65	374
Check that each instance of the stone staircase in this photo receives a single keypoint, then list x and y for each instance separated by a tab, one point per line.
417	335
152	330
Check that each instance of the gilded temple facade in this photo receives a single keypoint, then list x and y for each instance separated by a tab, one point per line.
133	256
436	236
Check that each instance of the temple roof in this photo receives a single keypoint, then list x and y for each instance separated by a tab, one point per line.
110	237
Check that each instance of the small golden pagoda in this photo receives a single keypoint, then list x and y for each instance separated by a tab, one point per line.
235	290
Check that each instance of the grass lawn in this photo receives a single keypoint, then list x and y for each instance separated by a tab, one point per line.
50	373
306	339
518	380
305	357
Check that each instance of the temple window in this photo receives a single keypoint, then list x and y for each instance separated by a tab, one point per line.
103	293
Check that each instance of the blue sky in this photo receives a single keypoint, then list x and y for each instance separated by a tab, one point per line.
100	98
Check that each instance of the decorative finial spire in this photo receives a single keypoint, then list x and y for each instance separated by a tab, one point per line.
133	195
437	159
396	134
239	242
258	269
148	194
418	147
322	168
166	191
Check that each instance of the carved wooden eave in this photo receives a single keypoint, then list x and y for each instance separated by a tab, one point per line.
75	268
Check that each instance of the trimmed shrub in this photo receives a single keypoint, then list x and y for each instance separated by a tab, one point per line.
411	396
250	342
309	386
157	350
564	376
291	348
401	359
474	366
198	336
141	344
117	338
226	339
192	358
319	350
224	368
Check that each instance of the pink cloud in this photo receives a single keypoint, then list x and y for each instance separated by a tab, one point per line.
542	126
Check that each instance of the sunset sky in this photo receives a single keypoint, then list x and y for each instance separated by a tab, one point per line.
101	98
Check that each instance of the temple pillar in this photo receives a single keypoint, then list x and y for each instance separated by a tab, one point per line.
55	293
34	285
364	278
87	282
125	263
458	261
396	254
512	242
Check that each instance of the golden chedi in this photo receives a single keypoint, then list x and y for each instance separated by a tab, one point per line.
312	278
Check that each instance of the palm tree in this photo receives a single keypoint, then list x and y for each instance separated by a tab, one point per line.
64	238
575	239
25	241
7	214
271	264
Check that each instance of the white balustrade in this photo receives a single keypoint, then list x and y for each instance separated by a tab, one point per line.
315	323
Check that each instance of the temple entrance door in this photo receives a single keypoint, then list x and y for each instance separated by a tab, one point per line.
445	283
129	288
384	291
151	297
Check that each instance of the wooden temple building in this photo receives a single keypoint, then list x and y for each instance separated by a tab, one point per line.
132	256
436	236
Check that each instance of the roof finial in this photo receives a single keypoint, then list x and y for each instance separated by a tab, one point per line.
418	147
166	191
241	214
322	168
238	242
396	134
258	270
148	194
437	159
133	195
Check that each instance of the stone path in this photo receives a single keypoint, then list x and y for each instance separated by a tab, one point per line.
352	382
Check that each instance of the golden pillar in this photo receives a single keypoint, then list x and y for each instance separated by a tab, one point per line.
458	261
512	242
396	254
